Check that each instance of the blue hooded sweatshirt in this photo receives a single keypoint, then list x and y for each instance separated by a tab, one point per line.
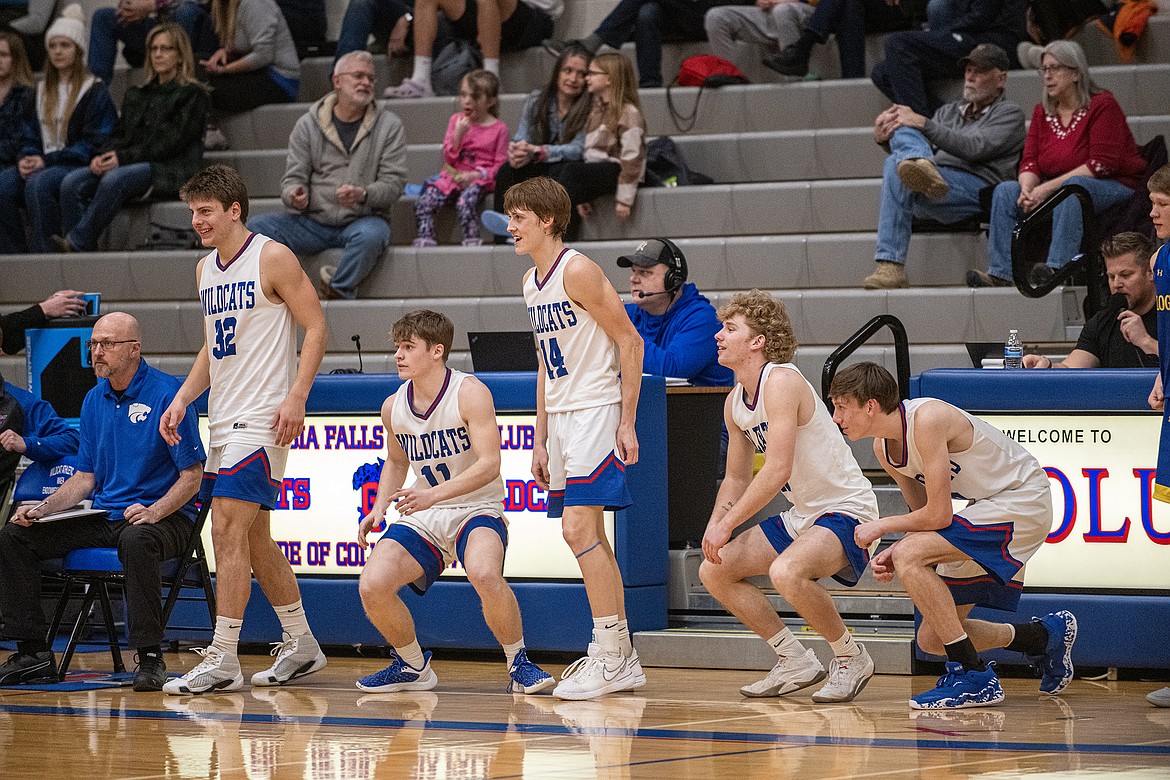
681	342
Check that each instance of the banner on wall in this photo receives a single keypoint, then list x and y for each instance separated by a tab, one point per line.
331	482
1107	531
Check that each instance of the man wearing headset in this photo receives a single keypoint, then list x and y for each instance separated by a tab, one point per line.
677	324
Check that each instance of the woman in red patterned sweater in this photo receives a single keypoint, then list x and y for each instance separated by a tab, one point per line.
1079	136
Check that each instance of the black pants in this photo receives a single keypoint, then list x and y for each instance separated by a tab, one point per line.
585	181
141	549
508	177
235	93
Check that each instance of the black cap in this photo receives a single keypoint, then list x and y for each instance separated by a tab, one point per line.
987	56
646	254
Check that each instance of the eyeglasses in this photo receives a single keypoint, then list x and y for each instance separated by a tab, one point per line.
1044	71
358	76
162	47
107	344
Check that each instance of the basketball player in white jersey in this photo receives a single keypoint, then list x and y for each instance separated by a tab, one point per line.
936	453
440	424
584	419
254	295
773	410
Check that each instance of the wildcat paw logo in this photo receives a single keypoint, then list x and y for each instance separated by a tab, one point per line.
365	481
139	412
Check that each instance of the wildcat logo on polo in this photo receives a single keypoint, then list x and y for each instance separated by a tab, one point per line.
139	412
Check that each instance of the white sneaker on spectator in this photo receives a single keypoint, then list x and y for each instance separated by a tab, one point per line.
791	673
215	141
216	673
327	273
408	90
296	656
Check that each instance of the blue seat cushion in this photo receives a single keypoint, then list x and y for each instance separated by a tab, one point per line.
93	559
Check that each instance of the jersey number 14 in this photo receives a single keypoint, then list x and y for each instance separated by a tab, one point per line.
554	359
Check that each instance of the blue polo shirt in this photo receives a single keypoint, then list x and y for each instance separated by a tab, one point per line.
122	448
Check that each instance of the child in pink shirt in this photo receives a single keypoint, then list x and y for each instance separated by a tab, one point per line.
475	147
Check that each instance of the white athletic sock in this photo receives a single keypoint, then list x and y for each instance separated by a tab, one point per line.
513	650
492	65
422	70
785	643
412	654
293	619
227	635
627	646
845	646
605	633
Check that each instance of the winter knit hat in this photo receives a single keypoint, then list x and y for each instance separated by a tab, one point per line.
70	24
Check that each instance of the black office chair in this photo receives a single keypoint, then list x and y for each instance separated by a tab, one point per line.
97	568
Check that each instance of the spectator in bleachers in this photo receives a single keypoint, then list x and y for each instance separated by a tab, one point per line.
130	21
63	303
1078	135
938	166
474	148
914	56
646	23
1125	334
551	131
74	117
156	145
40	436
28	20
615	143
364	18
16	96
256	63
346	169
497	25
307	21
849	21
770	24
676	323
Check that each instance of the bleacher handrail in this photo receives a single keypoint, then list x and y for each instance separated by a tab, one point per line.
862	335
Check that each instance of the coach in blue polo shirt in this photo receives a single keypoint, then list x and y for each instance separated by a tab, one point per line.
146	487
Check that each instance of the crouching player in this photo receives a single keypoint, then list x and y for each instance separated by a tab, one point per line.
441	424
950	562
774	410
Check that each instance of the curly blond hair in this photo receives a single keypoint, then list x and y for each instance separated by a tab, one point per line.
766	317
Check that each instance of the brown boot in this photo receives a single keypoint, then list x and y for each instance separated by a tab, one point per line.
887	276
920	175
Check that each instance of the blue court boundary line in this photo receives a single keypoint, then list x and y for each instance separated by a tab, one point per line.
551	730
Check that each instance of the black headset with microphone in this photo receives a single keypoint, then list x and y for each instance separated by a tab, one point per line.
676	270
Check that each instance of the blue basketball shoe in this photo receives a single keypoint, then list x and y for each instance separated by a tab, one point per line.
960	688
1056	668
401	676
527	677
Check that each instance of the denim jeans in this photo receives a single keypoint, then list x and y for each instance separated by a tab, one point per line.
106	31
11	199
899	205
366	17
89	203
42	201
1066	222
361	242
849	20
645	21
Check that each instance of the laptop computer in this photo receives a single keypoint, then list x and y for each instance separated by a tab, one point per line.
502	350
984	349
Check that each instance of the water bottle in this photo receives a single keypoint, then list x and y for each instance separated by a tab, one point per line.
1013	351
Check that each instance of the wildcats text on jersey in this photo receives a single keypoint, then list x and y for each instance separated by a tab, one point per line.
551	317
442	443
231	296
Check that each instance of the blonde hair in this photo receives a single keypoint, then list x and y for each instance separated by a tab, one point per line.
623	87
74	79
186	73
223	14
766	317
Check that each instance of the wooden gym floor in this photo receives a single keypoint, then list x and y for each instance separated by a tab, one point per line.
684	724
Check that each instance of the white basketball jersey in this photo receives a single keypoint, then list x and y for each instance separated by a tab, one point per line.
825	476
251	346
437	442
580	360
993	466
